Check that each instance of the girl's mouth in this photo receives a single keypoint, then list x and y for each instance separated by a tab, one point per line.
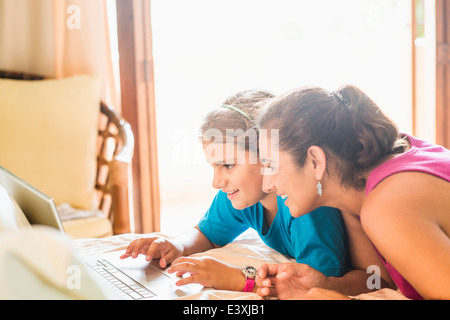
232	194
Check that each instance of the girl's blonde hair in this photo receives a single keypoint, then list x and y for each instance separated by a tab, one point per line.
231	123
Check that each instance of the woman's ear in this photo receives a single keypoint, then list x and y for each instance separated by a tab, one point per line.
318	160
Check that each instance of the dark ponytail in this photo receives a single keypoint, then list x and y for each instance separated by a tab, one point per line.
375	134
346	124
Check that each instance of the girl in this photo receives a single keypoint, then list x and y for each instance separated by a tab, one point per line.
230	145
338	149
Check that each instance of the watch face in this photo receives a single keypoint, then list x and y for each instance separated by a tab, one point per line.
250	271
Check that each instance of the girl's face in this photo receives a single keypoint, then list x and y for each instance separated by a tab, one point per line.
297	184
237	172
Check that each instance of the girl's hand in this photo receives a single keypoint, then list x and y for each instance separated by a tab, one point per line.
155	248
208	272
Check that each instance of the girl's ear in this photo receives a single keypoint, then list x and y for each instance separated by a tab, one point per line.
318	160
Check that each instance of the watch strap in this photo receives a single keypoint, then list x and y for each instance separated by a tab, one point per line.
249	284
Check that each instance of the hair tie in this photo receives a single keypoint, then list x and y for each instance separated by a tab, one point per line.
237	110
338	95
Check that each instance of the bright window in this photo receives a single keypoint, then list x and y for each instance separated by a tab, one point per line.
206	50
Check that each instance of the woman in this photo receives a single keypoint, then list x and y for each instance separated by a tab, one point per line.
338	149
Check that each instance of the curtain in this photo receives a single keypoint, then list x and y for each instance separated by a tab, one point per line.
58	38
137	85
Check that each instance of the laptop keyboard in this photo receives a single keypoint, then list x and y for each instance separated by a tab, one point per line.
121	281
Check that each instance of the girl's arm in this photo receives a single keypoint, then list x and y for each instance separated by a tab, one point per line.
208	272
195	241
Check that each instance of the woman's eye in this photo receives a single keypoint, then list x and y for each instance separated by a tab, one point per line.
228	166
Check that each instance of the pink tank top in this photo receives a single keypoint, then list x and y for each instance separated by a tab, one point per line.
424	157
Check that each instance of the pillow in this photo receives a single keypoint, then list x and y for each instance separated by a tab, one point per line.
12	217
48	134
41	264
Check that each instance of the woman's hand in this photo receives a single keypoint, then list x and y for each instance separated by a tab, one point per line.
288	280
208	272
324	294
155	248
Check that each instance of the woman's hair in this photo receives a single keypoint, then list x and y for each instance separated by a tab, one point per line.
235	118
350	128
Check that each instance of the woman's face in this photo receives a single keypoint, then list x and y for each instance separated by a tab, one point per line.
237	172
284	176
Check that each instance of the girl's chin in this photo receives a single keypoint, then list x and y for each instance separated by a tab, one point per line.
240	201
238	205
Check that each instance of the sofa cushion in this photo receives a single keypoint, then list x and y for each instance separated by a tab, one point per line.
90	227
48	134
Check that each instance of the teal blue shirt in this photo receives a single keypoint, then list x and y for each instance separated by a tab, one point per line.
318	239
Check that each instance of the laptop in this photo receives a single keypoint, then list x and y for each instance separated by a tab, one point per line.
38	208
127	278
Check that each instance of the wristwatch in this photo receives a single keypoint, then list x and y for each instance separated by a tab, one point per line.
249	273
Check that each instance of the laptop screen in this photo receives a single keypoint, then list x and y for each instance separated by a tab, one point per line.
38	207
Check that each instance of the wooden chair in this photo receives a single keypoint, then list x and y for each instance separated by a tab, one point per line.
115	145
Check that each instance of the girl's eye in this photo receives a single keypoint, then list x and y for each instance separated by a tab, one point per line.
228	166
268	168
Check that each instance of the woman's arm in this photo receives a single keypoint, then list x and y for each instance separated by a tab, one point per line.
294	280
363	255
407	218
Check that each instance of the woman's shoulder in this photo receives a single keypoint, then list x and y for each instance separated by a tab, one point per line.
408	194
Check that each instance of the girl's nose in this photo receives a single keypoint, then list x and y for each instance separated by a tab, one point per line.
218	181
268	184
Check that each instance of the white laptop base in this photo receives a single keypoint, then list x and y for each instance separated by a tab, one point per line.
137	278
